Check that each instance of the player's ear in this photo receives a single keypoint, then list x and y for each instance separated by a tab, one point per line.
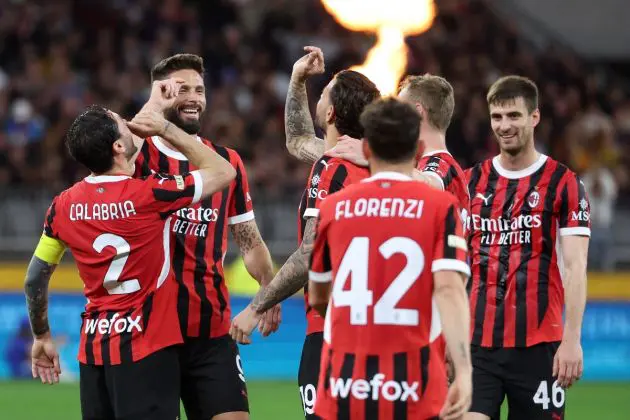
330	114
421	110
118	147
367	152
535	117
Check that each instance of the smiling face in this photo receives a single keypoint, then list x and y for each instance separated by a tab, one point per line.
513	125
190	103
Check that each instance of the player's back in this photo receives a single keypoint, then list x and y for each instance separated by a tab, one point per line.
117	230
385	237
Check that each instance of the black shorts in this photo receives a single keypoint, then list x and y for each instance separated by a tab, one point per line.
212	378
308	374
524	375
146	389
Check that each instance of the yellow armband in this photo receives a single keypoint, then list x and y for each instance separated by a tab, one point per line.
50	249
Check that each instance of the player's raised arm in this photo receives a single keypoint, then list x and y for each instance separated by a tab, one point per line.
298	124
215	172
49	251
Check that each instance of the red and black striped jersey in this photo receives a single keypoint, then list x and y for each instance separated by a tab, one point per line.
328	175
113	225
379	243
516	218
443	166
199	239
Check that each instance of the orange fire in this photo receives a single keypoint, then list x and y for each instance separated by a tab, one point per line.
391	20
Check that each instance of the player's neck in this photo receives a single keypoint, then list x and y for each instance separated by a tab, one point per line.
405	168
119	168
522	160
433	140
331	137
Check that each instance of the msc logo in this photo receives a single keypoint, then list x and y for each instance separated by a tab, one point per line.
582	216
317	193
315	180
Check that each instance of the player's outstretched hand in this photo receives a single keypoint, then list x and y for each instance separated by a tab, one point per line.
459	397
163	94
148	123
350	149
568	364
270	321
45	360
310	64
243	325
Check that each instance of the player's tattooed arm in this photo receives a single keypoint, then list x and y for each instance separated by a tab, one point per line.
300	132
36	290
293	275
255	253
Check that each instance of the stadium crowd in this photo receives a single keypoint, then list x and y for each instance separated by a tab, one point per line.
57	57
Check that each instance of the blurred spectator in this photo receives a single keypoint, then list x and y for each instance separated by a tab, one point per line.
57	57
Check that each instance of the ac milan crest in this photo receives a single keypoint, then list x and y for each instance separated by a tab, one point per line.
533	199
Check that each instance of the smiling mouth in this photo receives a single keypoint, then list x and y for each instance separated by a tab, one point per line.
190	111
507	136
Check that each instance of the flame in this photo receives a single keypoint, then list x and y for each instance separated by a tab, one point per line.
391	20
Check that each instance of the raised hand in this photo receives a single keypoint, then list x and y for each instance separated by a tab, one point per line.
310	64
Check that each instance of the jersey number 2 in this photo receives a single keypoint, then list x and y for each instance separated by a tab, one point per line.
359	297
111	282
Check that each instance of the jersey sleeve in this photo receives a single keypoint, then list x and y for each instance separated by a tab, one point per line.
50	247
438	168
451	251
169	193
241	207
575	217
320	268
142	167
326	178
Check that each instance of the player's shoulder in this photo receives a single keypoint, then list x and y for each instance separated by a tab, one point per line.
226	152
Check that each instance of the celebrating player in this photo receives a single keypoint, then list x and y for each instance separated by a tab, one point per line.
529	230
387	252
338	112
117	229
213	384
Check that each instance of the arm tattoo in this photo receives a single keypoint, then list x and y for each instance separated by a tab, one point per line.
292	276
246	235
36	290
463	351
301	139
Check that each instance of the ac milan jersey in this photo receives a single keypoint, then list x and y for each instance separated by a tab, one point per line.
117	229
328	175
379	242
443	166
516	218
199	239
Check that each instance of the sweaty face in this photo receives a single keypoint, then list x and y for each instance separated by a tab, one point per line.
321	118
190	103
513	125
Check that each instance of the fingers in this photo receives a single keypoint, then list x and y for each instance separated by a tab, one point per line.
556	365
56	365
563	373
456	406
239	335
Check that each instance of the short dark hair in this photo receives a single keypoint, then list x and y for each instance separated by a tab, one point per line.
392	128
349	95
508	88
91	137
164	68
436	96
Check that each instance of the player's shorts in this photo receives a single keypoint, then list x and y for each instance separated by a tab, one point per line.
212	378
144	390
523	375
308	374
405	385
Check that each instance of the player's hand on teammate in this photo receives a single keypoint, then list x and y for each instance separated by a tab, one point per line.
243	325
270	321
350	149
163	94
459	397
310	64
45	360
148	123
568	364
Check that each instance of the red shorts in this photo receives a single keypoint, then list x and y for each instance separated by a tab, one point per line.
357	386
